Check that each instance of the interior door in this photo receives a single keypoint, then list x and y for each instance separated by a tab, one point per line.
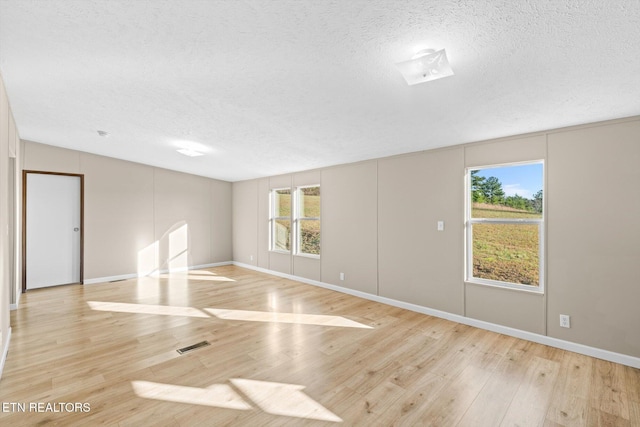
53	229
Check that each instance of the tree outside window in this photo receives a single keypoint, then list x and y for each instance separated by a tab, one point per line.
505	225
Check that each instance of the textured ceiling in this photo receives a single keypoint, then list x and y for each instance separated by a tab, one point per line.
268	87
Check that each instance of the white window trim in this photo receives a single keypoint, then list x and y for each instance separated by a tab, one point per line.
273	218
469	221
298	218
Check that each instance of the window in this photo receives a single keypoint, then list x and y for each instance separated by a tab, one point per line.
308	220
505	226
302	210
281	220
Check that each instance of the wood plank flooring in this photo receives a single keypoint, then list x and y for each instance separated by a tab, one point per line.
284	353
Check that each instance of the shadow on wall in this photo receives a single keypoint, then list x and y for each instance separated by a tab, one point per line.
169	253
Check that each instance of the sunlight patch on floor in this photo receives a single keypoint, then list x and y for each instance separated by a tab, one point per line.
283	399
165	310
229	314
296	318
273	398
217	395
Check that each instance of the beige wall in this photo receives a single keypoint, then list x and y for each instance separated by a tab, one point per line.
262	220
251	225
221	220
119	211
516	309
245	222
9	222
349	217
277	261
594	236
283	263
379	228
133	211
415	192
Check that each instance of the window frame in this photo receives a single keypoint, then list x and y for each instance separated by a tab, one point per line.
469	221
298	219
273	219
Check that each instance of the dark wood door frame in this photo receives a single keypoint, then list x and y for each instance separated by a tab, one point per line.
24	222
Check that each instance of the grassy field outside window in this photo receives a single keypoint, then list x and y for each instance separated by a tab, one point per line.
505	228
309	220
281	220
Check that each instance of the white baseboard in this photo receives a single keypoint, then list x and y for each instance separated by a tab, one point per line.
599	353
5	351
17	303
109	279
135	275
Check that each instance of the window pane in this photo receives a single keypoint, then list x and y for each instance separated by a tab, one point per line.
507	192
282	202
310	202
282	235
506	252
310	237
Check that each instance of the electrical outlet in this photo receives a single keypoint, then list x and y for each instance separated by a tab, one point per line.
250	257
341	276
440	225
565	321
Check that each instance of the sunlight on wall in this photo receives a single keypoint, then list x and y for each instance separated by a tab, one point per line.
218	395
169	253
165	310
178	249
297	318
148	260
283	399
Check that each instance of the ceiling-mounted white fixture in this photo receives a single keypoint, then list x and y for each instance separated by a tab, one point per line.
189	152
426	65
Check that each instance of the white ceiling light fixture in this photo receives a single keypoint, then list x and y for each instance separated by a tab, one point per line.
191	148
426	65
189	152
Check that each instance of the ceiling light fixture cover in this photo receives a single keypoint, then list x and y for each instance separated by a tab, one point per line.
189	152
426	65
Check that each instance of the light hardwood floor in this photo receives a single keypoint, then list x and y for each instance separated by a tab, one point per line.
337	360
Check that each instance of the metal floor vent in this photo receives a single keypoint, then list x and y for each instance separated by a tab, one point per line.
193	347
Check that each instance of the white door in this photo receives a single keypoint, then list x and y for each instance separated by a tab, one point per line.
53	230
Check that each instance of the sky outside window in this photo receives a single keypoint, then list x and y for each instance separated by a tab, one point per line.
523	180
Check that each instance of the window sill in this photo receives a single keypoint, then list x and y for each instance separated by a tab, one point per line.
308	256
275	251
507	286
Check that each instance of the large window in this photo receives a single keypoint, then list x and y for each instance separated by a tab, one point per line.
303	211
505	226
281	220
308	220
